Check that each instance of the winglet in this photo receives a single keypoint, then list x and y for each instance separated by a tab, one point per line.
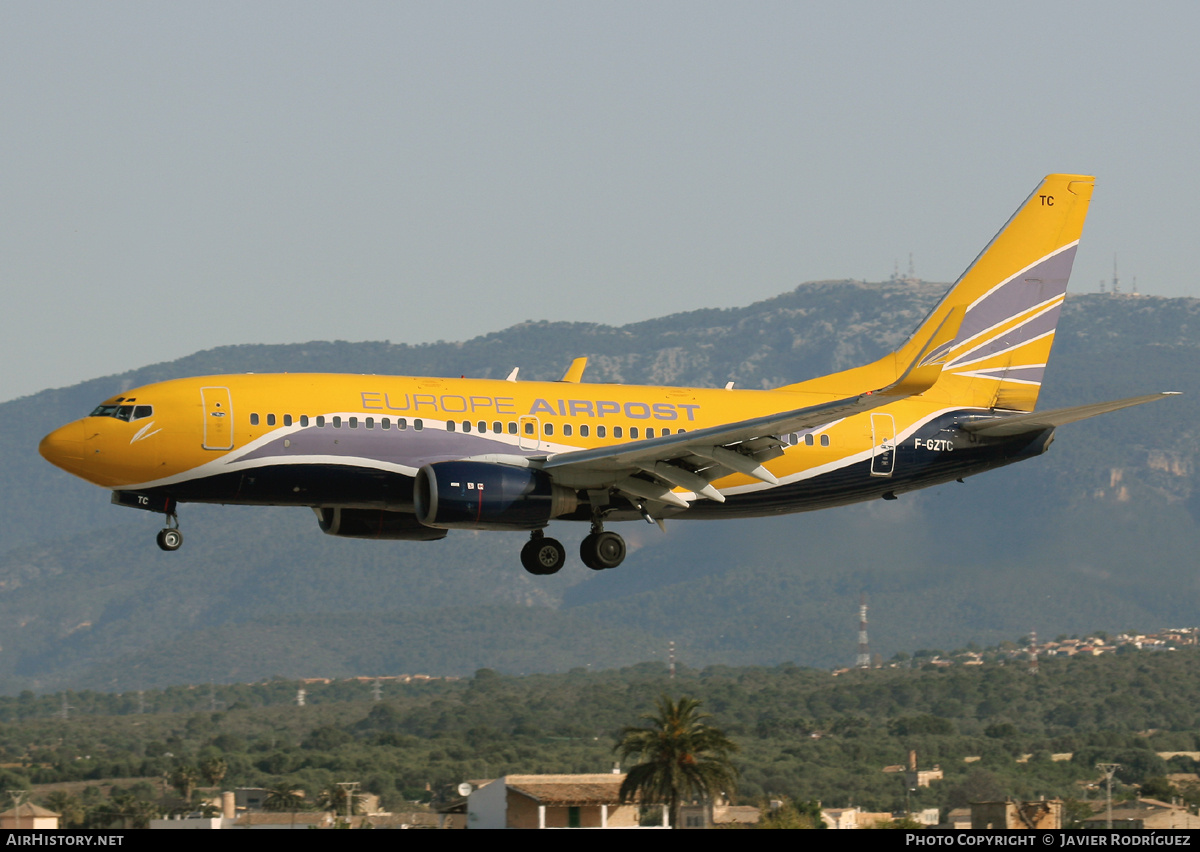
512	377
574	373
925	369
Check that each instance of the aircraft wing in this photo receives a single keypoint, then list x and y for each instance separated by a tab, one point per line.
1020	424
651	468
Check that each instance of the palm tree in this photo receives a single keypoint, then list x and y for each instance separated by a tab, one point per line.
183	778
283	798
681	757
213	769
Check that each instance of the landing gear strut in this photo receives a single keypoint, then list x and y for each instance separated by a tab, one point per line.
601	550
170	537
543	555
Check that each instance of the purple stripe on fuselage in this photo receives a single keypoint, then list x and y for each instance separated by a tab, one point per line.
411	447
1041	282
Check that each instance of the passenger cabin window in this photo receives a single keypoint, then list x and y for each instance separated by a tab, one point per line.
253	419
370	423
549	428
385	423
303	419
353	422
498	427
401	423
287	420
449	425
619	432
583	430
601	431
529	428
418	425
512	427
567	429
270	419
320	421
337	422
824	440
633	431
808	440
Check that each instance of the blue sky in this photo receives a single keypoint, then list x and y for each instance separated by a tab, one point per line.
179	176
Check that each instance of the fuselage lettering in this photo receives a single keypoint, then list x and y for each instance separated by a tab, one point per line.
506	405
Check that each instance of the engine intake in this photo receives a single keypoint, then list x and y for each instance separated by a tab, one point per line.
488	496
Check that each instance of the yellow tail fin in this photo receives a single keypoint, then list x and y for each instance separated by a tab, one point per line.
1011	296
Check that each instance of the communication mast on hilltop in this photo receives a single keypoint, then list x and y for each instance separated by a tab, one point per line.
863	661
1033	658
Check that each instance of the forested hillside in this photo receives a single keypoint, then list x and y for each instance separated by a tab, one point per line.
995	730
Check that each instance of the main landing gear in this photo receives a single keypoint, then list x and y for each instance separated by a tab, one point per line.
542	555
599	550
170	538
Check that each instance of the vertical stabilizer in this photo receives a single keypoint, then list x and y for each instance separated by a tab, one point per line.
1012	296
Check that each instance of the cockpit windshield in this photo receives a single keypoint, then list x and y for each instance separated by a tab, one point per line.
122	412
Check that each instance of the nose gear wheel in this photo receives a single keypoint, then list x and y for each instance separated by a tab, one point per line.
170	538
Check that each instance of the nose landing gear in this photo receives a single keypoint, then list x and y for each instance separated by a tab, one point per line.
170	538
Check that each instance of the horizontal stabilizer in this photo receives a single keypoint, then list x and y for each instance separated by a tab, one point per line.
1020	424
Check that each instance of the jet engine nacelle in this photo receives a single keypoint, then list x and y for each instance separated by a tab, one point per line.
374	523
478	495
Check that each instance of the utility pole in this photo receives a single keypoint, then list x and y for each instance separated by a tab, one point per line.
1109	769
350	787
17	796
863	660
